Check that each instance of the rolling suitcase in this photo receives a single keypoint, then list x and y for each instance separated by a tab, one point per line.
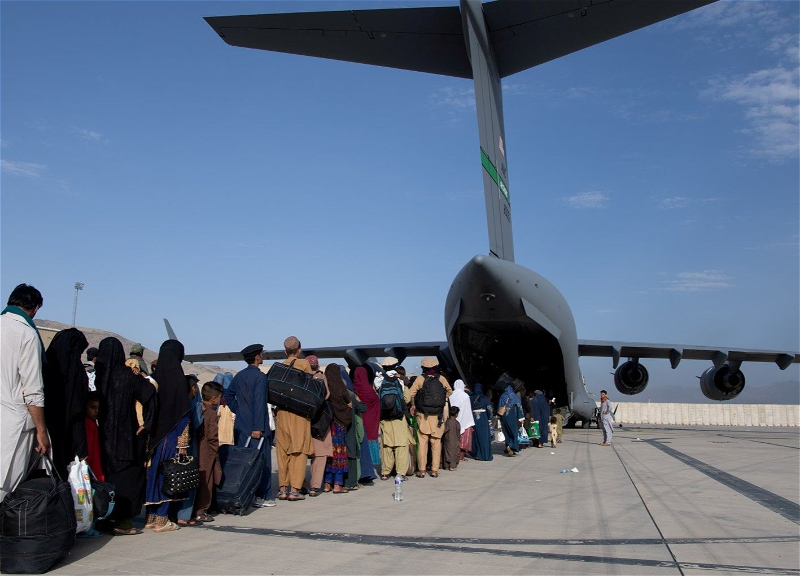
294	390
242	467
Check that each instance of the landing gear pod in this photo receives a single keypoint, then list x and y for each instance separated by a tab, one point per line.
631	378
723	383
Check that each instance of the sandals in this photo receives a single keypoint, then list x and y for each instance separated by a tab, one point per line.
327	487
341	490
126	531
420	474
204	518
190	522
313	492
283	494
295	496
150	523
170	526
434	474
384	477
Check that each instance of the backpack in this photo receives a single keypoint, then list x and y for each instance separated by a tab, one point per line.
392	404
431	397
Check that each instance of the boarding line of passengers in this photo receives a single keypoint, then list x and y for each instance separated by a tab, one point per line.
126	422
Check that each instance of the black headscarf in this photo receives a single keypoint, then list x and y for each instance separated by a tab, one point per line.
339	396
119	390
65	388
173	394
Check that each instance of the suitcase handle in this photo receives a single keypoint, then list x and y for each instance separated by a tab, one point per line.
260	442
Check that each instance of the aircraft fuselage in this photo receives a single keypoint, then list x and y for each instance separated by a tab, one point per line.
503	317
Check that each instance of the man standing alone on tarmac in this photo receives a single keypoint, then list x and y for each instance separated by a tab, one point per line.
606	417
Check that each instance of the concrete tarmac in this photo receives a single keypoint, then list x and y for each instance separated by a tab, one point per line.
661	500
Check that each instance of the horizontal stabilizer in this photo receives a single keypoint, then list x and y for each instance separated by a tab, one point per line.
523	33
420	39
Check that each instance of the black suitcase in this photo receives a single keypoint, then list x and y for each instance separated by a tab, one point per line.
37	523
294	390
242	468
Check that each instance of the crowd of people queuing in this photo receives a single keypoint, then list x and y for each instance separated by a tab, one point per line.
127	418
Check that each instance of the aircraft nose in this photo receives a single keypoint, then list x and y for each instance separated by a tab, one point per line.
487	270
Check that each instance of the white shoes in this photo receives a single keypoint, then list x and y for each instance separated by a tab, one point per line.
261	503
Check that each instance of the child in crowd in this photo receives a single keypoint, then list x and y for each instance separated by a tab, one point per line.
553	431
93	434
452	434
210	468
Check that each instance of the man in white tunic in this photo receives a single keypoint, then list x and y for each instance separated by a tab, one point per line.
606	417
22	425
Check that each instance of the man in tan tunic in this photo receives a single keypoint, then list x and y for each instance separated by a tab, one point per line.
395	433
292	435
431	426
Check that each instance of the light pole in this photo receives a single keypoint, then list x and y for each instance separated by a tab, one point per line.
78	288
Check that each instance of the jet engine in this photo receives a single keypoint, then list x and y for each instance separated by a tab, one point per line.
631	378
723	383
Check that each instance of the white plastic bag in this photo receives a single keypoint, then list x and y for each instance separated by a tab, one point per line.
78	472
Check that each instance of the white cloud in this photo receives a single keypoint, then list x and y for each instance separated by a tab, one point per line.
587	200
740	14
772	110
514	89
704	281
676	202
453	98
25	169
3	142
90	135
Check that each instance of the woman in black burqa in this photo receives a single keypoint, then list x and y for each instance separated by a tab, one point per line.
123	449
65	388
170	434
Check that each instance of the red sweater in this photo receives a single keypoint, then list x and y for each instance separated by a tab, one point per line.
93	446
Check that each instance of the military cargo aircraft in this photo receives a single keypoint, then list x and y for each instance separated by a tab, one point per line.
499	317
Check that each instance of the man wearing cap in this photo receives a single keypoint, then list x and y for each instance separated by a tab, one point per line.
293	443
395	434
91	358
431	426
247	398
137	353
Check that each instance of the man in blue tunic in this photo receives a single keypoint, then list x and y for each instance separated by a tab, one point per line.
247	398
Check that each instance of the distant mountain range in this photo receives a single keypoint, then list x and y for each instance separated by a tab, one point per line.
204	372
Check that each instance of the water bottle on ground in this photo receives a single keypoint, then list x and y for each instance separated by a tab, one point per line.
398	488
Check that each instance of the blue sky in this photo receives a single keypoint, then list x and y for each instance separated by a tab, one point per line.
248	195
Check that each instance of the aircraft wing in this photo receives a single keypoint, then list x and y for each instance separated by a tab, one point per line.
523	33
675	353
355	354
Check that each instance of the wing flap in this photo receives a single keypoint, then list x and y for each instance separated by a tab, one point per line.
420	39
676	352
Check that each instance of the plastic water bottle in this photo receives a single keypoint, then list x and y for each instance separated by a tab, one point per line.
398	488
564	471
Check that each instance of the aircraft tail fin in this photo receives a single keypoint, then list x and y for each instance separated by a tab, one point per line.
170	331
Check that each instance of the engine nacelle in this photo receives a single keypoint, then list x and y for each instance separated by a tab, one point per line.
723	383
631	378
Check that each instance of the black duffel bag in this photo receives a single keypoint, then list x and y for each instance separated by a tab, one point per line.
37	523
322	420
294	390
181	474
103	494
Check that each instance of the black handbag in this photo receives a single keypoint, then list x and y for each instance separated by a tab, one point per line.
181	474
103	494
321	423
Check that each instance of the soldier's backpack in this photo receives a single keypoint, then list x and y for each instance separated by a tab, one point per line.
392	404
431	397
